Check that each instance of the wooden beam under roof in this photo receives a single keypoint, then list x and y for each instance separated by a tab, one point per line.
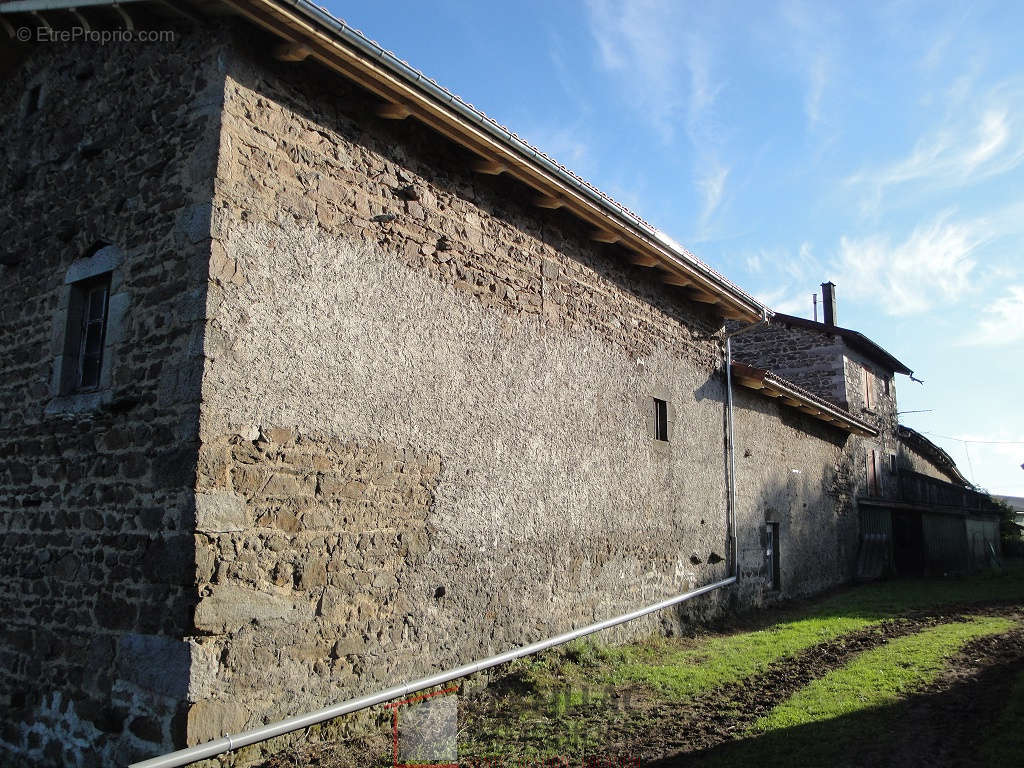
385	82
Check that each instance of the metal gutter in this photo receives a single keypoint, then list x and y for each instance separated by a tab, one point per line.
226	743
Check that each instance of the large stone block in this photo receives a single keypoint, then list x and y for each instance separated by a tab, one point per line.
230	607
209	720
220	511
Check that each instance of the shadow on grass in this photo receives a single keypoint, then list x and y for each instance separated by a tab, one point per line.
899	597
956	726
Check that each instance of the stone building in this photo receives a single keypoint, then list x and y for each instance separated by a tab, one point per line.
917	511
316	381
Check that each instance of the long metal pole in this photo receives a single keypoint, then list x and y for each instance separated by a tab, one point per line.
226	743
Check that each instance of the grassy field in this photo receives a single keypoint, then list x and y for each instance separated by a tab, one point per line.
912	672
592	699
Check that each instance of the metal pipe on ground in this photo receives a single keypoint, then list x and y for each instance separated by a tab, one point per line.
226	743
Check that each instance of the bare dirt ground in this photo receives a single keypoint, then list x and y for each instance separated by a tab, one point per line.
946	722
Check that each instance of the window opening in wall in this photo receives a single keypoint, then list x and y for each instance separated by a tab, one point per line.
892	463
869	390
771	554
874	462
660	420
87	330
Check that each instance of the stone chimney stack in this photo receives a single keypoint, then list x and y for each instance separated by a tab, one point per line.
828	302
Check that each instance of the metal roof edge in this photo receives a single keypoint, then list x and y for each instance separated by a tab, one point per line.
761	379
860	341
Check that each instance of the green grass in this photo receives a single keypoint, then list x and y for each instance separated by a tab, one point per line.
881	676
719	660
1005	743
538	708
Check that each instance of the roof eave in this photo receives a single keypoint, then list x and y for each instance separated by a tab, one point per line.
408	93
771	385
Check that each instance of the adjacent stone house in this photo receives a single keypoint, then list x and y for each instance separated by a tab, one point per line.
316	381
917	511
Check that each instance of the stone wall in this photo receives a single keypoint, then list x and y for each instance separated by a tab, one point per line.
791	470
96	553
881	415
911	459
825	365
808	358
370	416
424	417
425	412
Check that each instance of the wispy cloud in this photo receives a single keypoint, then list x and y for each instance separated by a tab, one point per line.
813	45
637	40
712	187
565	143
934	263
785	301
669	76
979	138
792	275
1001	323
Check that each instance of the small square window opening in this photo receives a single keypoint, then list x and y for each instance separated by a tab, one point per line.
660	420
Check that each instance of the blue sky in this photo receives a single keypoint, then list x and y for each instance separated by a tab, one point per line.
877	145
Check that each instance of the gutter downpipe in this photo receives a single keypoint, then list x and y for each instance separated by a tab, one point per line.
731	519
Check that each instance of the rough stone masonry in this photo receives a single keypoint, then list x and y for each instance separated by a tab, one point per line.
369	416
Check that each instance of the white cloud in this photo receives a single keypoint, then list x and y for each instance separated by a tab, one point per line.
1002	321
668	76
783	300
934	263
562	143
637	40
712	187
818	76
812	43
794	274
980	137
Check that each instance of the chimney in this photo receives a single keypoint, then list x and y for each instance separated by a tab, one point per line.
828	302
